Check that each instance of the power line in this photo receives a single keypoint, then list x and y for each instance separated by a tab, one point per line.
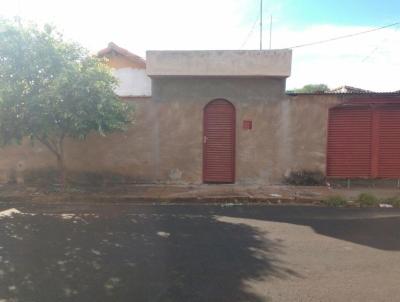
270	33
249	34
345	36
376	48
261	22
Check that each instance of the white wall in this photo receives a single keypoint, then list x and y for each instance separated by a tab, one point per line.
132	82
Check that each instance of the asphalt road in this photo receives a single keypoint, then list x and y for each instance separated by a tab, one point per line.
220	253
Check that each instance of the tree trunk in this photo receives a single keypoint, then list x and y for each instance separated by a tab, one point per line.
61	171
57	148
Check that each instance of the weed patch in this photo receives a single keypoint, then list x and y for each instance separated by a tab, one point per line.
367	199
394	201
305	178
335	201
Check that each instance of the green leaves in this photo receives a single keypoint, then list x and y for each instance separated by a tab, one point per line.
312	88
51	89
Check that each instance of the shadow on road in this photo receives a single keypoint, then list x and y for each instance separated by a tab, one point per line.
141	257
367	227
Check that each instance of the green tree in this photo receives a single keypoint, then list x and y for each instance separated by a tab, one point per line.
51	89
312	88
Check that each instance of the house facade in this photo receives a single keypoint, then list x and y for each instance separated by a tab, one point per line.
224	117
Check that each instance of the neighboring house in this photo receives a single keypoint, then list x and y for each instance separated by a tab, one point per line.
349	89
224	117
129	69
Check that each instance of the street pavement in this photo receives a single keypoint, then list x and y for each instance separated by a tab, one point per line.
197	252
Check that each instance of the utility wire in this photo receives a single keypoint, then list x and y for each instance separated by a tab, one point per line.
376	48
249	34
345	36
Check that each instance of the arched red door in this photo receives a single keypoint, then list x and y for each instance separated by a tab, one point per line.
219	142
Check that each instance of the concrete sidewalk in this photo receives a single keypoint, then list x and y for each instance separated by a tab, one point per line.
187	193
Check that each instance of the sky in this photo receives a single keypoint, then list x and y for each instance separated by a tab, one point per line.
370	61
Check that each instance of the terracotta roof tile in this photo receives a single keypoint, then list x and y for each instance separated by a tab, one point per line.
112	47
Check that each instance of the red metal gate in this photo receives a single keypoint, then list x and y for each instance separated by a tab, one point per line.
364	142
388	139
349	142
219	142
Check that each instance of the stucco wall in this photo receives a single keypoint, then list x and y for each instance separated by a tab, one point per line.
289	133
181	102
165	143
304	121
129	153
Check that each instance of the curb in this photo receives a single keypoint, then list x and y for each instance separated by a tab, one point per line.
73	199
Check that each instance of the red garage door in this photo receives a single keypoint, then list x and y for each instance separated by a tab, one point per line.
219	142
349	142
388	142
364	142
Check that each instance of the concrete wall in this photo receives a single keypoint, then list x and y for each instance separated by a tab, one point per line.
232	63
127	154
165	143
288	133
303	124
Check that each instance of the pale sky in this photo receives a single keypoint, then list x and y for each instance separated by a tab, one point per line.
369	61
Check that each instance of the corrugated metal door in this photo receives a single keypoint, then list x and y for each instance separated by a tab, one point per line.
219	142
349	142
388	142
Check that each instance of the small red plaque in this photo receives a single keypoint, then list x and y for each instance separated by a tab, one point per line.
247	125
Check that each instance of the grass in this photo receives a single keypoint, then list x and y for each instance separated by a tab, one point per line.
335	201
364	200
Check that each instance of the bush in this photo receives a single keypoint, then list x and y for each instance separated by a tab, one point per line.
335	201
305	178
367	199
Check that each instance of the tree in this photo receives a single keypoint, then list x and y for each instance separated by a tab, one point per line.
51	89
312	88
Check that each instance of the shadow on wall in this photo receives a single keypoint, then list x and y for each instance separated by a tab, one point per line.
367	227
145	257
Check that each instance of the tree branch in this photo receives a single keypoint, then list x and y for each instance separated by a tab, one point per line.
61	145
48	145
54	144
